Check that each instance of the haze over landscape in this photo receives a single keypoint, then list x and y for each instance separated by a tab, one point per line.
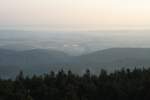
74	49
73	32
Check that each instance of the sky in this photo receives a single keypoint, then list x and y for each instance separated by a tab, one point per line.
75	14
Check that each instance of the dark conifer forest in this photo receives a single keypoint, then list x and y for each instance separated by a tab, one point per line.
124	84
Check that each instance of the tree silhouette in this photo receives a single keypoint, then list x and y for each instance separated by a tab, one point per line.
125	84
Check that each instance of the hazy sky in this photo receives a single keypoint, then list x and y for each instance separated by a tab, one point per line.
75	14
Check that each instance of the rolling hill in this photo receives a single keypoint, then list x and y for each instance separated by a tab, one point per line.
40	60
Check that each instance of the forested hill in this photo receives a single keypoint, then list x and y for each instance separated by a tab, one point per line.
41	61
118	57
125	84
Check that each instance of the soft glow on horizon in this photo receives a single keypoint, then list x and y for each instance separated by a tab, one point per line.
75	14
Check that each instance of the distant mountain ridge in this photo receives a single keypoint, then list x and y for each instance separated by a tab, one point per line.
114	54
42	60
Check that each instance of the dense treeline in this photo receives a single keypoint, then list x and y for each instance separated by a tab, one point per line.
120	85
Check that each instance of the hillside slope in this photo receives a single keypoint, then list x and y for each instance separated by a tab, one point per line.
40	60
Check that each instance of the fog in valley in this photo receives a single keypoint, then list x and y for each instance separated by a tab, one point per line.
73	42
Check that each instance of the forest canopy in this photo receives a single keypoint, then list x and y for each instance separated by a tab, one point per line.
124	84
